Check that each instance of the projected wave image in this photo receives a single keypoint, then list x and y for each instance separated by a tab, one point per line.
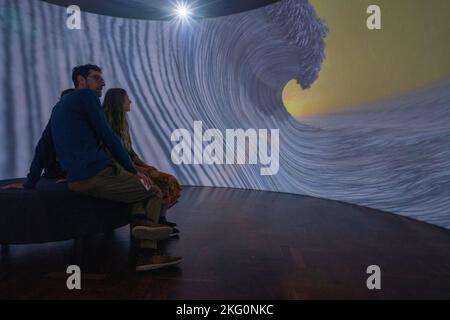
229	73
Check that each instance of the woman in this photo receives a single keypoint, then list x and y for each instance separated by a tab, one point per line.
116	105
50	164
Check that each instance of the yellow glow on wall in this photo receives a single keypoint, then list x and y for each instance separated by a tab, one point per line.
411	50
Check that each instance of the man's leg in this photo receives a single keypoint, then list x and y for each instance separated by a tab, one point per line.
117	184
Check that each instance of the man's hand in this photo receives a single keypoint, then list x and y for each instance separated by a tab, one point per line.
148	183
14	186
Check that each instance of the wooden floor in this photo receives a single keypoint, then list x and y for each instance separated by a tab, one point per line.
241	244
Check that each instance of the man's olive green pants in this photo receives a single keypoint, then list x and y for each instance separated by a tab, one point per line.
117	184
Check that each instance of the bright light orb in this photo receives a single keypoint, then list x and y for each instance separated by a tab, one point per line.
182	11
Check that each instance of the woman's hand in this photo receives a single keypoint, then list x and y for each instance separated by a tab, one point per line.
14	186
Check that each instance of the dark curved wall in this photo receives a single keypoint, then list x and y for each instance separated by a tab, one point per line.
162	9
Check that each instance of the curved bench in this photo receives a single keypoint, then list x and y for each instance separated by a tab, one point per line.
51	212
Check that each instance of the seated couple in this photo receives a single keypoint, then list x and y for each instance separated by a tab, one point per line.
94	153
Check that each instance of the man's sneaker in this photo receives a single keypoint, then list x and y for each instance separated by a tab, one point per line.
145	263
175	232
163	220
147	230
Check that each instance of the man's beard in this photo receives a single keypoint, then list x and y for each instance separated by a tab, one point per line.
99	92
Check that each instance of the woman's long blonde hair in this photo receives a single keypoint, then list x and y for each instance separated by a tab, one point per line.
116	115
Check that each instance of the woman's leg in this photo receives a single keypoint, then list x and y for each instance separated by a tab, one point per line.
164	208
163	220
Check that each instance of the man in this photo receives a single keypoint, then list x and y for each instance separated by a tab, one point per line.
78	131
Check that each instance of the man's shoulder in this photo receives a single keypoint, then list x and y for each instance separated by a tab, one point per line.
79	97
79	93
84	93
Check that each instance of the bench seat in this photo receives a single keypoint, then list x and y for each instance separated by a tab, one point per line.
51	212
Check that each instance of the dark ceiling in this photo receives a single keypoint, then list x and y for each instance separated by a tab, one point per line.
162	9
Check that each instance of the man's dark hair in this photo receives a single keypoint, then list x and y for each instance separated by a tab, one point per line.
67	91
83	70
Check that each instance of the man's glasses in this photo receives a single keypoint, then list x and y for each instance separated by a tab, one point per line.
97	78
